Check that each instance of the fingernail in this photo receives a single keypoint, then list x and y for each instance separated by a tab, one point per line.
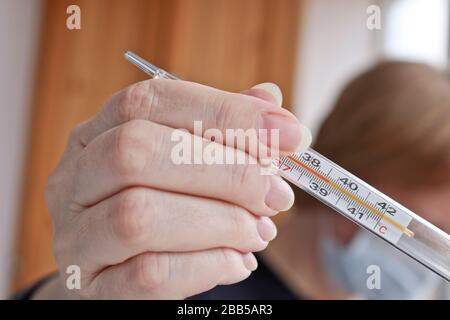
280	196
273	89
306	139
292	135
250	261
266	229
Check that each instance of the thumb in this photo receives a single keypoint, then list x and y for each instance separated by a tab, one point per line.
267	91
270	92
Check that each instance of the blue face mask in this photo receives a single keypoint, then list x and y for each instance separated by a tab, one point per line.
350	267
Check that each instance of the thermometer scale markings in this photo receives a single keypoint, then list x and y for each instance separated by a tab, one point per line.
352	197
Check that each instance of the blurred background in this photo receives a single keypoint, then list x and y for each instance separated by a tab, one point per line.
52	78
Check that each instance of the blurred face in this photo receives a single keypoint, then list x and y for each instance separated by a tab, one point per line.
346	255
432	204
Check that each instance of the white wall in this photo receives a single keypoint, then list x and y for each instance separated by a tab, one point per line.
335	44
417	30
19	36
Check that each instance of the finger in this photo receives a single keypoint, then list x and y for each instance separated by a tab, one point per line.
178	104
139	220
270	92
141	153
172	275
267	91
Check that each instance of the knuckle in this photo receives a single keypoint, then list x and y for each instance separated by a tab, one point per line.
238	225
128	155
58	248
78	134
129	224
223	114
152	270
55	196
230	259
255	106
242	175
81	165
233	109
130	99
244	228
236	219
137	100
81	162
51	187
75	133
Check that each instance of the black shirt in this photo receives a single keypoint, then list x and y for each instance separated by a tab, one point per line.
261	284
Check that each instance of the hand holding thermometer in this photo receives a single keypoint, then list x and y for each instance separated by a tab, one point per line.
354	199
